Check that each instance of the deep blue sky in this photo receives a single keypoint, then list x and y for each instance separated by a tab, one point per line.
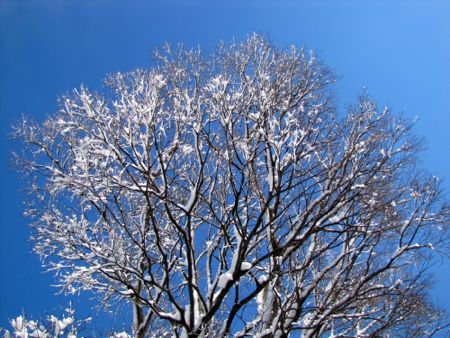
398	49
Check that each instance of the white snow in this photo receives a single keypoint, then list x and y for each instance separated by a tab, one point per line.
224	279
122	334
186	149
246	266
128	292
338	217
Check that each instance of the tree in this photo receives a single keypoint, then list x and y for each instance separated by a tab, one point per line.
225	196
53	327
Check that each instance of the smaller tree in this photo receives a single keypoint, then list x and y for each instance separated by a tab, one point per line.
225	196
66	325
52	327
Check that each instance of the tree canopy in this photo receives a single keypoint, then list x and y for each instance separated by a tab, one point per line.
225	195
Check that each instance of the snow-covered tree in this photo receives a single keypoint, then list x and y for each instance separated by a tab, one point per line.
224	195
51	327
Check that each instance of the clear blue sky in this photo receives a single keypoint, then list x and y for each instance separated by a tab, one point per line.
398	49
